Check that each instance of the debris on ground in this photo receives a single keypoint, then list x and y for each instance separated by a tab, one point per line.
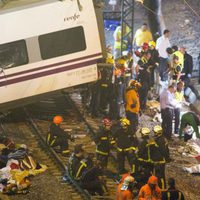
17	165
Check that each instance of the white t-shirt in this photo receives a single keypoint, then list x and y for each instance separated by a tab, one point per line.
162	44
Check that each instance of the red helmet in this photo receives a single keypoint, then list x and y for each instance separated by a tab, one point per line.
57	119
106	122
145	46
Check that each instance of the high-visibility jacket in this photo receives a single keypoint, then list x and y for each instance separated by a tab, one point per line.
146	193
179	96
56	132
124	194
76	166
132	101
149	152
124	140
117	38
180	57
103	139
163	148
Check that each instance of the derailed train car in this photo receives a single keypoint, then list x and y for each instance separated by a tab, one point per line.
46	46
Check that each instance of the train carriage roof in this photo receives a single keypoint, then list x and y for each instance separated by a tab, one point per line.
17	4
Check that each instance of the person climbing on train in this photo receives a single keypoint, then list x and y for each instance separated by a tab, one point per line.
125	189
78	163
58	137
104	140
150	191
93	180
126	147
132	106
160	156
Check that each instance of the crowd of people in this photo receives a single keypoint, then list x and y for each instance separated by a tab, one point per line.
120	95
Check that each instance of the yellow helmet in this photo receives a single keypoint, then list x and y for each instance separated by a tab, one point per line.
152	43
124	122
145	131
157	130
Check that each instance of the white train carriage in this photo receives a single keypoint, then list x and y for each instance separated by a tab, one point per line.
46	46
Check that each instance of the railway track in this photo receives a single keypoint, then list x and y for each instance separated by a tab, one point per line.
31	135
83	130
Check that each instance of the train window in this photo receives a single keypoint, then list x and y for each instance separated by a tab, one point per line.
62	42
13	54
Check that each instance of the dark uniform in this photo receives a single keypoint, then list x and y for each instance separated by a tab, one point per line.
128	69
145	161
104	88
92	182
145	80
58	137
103	140
154	62
172	194
76	166
126	147
161	156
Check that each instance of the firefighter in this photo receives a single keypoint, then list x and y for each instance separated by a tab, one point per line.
172	193
132	104
128	67
58	137
143	75
125	146
103	141
78	164
150	190
144	156
155	63
160	155
93	180
104	88
125	190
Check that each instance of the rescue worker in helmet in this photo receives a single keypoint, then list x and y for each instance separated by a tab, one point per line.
155	63
132	106
160	156
150	191
125	189
104	140
58	137
144	157
126	146
143	76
